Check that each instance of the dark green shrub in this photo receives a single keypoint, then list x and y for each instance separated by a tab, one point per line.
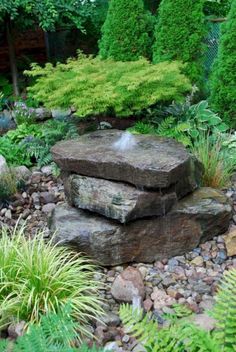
223	80
179	35
127	31
95	87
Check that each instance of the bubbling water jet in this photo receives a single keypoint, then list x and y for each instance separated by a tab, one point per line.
125	142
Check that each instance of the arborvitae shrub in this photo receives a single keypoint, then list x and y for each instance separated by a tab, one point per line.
223	80
127	32
95	87
179	35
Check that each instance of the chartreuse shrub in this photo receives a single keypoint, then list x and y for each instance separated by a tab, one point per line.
127	31
179	35
56	332
223	80
181	335
94	86
37	278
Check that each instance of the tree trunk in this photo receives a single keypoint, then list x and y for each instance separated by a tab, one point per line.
12	58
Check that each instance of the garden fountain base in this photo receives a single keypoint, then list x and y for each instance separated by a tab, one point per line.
140	204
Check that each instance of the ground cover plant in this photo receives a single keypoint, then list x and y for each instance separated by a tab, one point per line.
179	35
38	277
132	39
56	332
127	87
30	144
182	335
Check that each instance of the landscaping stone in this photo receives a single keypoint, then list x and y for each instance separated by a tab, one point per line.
48	208
42	114
116	200
16	330
127	285
22	173
204	321
230	243
195	219
155	162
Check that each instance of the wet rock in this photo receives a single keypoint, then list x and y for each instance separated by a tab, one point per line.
230	243
127	285
195	219
116	200
154	162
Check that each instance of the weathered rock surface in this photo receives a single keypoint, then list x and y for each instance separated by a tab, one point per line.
153	162
116	200
127	285
195	219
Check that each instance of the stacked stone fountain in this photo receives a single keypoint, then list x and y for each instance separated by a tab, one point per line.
134	198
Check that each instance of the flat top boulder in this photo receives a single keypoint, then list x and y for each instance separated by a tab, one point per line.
142	160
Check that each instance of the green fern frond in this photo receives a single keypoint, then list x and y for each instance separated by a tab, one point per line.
225	312
56	333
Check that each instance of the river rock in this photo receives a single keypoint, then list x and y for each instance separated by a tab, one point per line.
195	219
150	161
127	285
116	200
230	243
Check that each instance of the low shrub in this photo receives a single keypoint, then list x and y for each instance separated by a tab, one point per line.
94	87
182	335
38	277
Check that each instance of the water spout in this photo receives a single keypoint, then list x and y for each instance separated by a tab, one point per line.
125	142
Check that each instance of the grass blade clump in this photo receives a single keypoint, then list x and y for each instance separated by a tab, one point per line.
37	278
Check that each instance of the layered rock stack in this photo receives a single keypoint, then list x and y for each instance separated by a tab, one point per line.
134	201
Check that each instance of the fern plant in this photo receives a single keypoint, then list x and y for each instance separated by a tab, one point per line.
182	336
56	332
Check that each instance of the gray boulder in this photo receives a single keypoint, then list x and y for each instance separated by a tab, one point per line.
116	200
197	218
149	161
